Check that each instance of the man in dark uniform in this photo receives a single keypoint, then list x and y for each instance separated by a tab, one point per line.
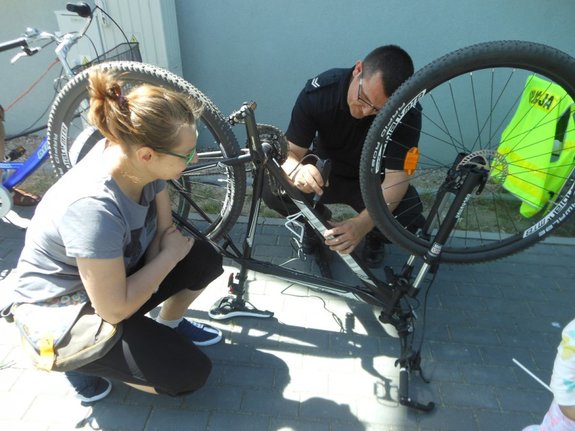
334	112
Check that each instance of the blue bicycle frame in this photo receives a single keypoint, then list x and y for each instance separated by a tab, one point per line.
25	168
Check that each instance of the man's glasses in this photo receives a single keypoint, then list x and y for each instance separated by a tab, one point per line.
187	157
360	92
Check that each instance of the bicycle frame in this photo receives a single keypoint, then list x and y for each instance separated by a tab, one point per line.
388	294
371	287
24	169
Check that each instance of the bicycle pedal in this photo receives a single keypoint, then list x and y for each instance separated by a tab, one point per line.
231	306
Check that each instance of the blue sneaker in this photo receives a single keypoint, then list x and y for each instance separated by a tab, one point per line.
89	388
199	333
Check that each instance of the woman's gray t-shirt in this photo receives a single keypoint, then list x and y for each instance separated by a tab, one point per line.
85	214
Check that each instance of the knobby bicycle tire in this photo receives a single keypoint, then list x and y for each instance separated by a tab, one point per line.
211	198
470	102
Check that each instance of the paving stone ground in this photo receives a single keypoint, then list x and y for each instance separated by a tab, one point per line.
323	363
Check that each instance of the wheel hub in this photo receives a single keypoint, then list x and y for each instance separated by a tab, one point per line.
487	160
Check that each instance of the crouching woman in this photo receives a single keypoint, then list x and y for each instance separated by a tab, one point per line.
104	232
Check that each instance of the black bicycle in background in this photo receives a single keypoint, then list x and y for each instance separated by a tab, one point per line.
494	169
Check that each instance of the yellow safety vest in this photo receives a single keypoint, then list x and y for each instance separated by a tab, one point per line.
537	149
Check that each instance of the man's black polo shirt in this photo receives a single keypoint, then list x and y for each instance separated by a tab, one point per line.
322	108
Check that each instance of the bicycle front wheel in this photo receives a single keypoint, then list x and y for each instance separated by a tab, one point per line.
210	198
500	108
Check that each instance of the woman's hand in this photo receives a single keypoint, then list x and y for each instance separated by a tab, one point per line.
176	245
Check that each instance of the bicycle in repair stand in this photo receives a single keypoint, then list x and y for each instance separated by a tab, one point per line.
477	108
12	171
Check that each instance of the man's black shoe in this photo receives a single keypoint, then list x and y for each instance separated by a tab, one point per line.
373	250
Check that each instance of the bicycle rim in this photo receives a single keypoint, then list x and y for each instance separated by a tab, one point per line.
210	199
480	106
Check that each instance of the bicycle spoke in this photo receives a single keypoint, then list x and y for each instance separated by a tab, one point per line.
492	114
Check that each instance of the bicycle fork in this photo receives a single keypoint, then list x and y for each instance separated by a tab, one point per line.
462	184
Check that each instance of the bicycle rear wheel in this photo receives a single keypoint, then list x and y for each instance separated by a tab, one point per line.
501	107
211	198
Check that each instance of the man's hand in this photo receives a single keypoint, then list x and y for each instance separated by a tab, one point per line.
348	233
308	179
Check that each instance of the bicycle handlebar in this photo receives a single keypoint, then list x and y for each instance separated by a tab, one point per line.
11	44
82	9
65	41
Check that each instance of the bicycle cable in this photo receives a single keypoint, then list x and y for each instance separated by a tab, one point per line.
333	315
93	45
302	160
115	23
424	318
31	87
30	128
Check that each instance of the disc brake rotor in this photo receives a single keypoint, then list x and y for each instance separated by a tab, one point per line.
488	160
